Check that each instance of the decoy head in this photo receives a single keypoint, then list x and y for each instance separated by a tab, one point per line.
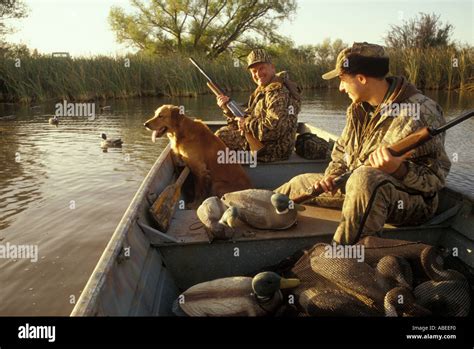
397	269
265	284
433	265
399	301
104	137
230	217
54	120
283	204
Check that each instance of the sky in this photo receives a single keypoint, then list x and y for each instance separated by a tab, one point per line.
81	27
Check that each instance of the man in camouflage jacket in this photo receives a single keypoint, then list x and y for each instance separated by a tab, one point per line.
383	188
272	112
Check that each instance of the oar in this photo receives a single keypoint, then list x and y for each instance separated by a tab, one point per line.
164	206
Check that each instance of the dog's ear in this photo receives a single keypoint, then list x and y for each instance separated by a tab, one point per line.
175	112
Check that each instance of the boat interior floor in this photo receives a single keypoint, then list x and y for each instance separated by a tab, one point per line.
315	222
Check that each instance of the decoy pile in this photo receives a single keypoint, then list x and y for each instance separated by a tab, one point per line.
396	278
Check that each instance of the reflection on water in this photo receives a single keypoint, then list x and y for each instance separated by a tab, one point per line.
58	190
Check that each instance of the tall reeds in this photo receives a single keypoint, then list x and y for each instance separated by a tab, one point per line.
434	68
40	78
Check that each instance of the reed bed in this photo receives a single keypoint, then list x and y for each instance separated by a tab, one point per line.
41	78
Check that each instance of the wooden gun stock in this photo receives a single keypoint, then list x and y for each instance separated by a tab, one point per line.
411	142
308	195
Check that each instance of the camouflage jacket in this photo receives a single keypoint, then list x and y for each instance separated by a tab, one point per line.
273	117
404	111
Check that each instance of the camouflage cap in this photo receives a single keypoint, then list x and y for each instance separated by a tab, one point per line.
258	56
361	58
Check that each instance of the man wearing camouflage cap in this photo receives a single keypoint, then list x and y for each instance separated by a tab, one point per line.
383	188
272	111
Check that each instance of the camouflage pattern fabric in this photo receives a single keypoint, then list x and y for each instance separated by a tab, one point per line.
298	185
311	147
272	118
372	199
371	196
351	60
258	56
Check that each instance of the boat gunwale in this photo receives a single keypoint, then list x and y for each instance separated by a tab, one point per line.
88	300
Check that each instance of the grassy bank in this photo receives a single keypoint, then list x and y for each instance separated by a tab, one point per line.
436	69
43	78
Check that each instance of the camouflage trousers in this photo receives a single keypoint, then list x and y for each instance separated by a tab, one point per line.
232	137
372	198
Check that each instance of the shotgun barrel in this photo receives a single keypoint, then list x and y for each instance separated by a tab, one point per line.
232	107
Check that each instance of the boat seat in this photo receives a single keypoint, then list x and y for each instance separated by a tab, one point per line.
293	160
314	221
283	171
185	228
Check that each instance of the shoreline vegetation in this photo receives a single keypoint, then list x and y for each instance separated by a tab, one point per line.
39	78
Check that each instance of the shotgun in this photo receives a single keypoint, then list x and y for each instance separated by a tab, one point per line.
232	107
412	141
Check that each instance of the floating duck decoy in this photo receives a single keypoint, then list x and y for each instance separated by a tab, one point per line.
105	108
110	143
235	296
8	117
54	120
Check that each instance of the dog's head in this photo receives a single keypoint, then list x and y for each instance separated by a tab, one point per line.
166	119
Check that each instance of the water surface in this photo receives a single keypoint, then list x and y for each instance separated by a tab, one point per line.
59	190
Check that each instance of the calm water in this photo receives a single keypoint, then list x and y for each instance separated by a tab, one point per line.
59	191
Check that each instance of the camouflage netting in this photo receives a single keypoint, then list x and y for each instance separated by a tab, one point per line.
396	278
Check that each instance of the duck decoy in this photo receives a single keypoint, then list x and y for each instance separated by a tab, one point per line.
7	117
54	120
230	218
448	291
347	286
235	296
210	213
400	301
110	143
262	209
105	108
394	271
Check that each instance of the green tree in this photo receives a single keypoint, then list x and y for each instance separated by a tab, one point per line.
425	30
208	26
10	9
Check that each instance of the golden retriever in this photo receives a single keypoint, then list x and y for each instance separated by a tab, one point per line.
195	144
